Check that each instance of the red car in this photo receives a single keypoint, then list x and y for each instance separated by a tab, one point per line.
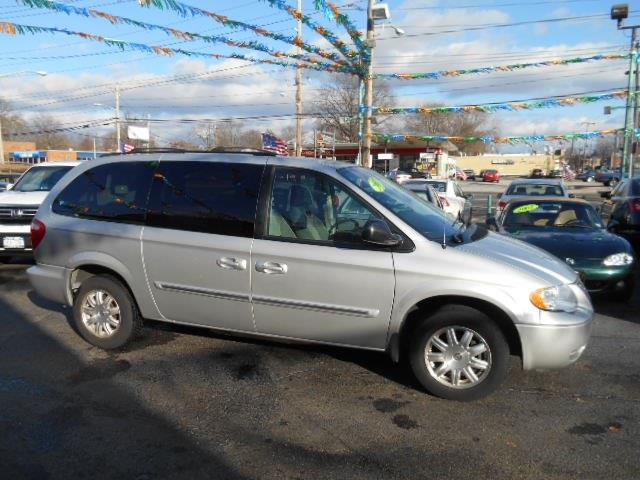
491	176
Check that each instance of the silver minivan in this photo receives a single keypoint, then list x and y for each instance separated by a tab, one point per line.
302	250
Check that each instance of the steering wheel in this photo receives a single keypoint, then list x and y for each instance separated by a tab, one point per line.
334	228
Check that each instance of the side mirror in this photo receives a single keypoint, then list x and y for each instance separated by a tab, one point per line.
377	232
572	195
468	196
499	195
605	194
492	224
613	225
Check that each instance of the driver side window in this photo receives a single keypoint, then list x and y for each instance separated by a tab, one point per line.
309	206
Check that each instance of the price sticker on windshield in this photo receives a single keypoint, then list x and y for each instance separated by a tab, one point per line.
376	184
525	208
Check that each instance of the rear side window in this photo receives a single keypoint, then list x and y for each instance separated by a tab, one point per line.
207	197
113	192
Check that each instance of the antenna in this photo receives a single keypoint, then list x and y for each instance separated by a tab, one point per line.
444	231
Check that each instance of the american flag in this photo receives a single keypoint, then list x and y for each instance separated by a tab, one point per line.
567	173
127	148
274	144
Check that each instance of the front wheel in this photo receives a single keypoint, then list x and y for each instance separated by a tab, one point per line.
459	354
590	179
612	183
625	293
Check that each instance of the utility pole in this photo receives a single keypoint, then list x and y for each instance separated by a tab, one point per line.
118	146
298	151
1	143
630	118
620	12
368	90
636	121
584	146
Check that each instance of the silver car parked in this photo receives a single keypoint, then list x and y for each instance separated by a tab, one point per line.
302	250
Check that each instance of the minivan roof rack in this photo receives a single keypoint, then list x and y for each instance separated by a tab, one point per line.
252	151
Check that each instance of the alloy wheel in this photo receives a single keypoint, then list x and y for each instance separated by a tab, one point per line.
458	357
100	313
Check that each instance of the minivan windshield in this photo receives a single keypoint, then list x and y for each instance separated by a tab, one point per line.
422	216
40	179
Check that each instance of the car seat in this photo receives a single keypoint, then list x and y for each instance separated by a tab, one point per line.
301	217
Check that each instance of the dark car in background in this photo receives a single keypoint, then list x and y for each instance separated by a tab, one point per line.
621	207
572	230
536	173
587	176
609	177
554	174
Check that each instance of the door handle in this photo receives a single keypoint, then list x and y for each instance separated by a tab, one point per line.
230	263
271	267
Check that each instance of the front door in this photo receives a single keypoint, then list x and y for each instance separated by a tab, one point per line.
197	242
313	278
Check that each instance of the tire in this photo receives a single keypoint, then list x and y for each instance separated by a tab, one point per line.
113	331
590	180
485	333
626	292
612	183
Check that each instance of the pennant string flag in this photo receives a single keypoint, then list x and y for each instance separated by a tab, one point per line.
182	35
501	68
508	106
18	29
185	10
331	37
332	12
512	140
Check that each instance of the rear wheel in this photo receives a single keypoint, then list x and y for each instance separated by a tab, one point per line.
612	183
459	353
105	314
590	179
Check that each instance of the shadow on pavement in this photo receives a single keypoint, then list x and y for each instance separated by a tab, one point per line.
62	419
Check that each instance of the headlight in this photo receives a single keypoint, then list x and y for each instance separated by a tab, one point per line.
555	299
618	259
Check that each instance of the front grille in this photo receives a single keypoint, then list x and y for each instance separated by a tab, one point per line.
17	214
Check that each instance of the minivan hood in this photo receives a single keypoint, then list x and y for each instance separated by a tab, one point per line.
521	256
11	197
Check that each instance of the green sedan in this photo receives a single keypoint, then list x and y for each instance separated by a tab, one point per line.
572	230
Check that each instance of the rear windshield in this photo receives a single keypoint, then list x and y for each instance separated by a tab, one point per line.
535	189
40	179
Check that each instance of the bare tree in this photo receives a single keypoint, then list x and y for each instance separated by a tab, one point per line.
48	134
206	135
12	122
453	124
337	105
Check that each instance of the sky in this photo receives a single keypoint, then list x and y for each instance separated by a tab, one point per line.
439	35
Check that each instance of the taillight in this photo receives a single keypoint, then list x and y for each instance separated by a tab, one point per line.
502	204
635	205
38	230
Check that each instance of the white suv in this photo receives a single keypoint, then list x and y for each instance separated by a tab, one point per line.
19	205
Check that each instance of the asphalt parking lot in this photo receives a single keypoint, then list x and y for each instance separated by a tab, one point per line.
187	403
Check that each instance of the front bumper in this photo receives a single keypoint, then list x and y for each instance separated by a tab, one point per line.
553	346
50	282
602	279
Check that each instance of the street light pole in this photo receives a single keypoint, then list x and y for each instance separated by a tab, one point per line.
365	160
